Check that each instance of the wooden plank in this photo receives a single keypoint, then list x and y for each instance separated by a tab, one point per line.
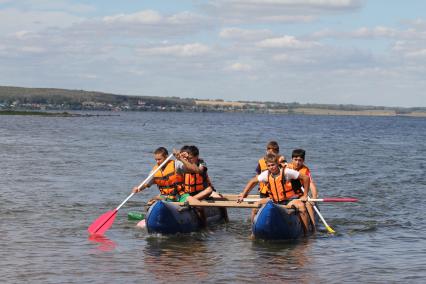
234	197
218	203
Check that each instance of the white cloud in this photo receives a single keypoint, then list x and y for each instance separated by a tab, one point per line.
33	49
421	53
287	18
376	32
300	4
244	34
286	42
51	5
363	32
89	76
292	59
22	34
34	20
276	11
146	23
142	17
239	67
151	17
183	50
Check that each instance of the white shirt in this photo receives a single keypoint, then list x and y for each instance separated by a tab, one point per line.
289	174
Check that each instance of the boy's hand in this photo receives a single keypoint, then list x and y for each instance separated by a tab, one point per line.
136	189
240	198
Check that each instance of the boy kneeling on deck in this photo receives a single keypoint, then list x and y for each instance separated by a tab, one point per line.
275	177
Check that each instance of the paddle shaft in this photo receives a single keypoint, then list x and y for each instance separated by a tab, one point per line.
105	221
331	199
334	199
323	220
145	181
329	229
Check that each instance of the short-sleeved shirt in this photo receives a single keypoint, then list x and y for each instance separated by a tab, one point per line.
258	167
289	174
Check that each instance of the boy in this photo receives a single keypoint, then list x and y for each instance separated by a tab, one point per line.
197	185
275	177
298	164
271	148
168	180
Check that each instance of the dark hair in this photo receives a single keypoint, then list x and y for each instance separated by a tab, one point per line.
271	158
298	153
185	148
193	150
273	145
161	150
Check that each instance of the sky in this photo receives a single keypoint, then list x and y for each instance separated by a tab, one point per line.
306	51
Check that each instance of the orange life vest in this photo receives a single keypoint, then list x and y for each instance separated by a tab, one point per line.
195	183
263	187
296	185
167	180
277	190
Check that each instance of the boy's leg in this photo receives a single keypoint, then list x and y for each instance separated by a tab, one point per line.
311	214
302	214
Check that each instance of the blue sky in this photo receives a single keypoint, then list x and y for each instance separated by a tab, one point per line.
306	51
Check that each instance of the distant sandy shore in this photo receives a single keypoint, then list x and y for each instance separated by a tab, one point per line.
310	111
317	111
226	103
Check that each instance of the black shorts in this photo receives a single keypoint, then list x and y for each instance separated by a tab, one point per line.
263	195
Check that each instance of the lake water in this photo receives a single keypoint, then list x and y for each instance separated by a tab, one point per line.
57	175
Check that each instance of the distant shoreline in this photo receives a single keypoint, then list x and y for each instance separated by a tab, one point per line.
57	102
51	114
331	112
297	111
312	110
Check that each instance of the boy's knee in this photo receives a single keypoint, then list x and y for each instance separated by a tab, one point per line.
300	207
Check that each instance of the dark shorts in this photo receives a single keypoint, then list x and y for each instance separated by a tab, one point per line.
263	195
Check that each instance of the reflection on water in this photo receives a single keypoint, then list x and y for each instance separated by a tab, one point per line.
286	260
177	258
103	243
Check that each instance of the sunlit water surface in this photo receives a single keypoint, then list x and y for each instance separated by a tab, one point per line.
59	174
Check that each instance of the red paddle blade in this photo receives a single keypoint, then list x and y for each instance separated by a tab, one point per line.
331	199
103	223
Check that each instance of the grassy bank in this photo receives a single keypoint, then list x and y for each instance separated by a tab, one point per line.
39	113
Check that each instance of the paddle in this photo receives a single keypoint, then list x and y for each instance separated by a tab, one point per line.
334	199
329	229
330	199
104	222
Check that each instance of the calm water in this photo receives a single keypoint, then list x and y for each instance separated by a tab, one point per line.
59	174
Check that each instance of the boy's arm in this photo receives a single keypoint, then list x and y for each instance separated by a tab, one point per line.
282	161
314	190
192	168
305	180
188	166
252	182
136	189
